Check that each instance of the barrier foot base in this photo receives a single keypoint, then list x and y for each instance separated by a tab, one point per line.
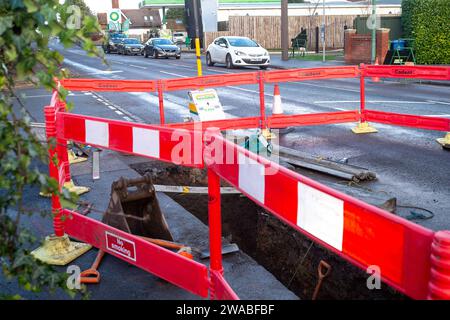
76	189
444	142
59	250
73	158
364	127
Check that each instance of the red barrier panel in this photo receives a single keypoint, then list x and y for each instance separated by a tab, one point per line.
222	290
408	120
228	124
361	233
415	72
177	146
109	85
287	120
176	269
195	83
310	74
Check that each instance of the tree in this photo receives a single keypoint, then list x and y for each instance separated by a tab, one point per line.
26	27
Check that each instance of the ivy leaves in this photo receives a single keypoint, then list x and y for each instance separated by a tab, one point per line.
26	28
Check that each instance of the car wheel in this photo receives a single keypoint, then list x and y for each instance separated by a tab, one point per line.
209	61
177	58
229	62
263	67
155	54
145	54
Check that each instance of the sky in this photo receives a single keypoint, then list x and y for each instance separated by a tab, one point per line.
104	5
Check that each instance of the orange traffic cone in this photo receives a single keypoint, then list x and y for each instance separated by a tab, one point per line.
376	79
277	108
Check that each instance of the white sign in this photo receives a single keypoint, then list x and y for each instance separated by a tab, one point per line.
206	105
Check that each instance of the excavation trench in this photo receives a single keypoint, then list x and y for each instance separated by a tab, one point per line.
290	256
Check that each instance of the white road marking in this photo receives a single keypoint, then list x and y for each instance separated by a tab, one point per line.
119	113
324	86
84	67
174	74
437	115
111	107
49	95
132	65
439	102
127	118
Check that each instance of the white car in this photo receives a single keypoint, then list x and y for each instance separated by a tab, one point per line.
237	51
179	37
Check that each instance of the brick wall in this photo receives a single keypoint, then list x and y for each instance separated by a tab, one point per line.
358	47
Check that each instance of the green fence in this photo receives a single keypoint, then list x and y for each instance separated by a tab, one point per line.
393	23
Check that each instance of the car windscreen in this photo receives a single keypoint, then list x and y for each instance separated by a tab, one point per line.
116	40
131	41
242	42
162	41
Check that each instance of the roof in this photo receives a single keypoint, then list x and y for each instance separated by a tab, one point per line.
139	18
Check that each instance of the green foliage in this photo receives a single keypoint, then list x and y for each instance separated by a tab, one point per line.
428	22
26	28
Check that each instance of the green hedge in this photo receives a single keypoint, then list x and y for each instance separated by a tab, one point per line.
428	22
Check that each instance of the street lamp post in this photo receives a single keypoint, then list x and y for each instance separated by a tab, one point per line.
374	31
284	31
323	31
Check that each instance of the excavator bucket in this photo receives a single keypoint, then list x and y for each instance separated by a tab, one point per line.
134	208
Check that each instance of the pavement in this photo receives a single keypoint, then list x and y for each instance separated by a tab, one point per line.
409	164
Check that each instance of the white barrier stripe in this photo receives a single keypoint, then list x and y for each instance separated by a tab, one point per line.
251	177
146	142
97	133
321	215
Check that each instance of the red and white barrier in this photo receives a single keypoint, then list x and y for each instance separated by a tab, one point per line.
359	232
139	139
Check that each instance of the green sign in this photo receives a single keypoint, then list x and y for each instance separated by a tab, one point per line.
114	16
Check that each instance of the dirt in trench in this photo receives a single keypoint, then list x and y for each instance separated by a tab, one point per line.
289	255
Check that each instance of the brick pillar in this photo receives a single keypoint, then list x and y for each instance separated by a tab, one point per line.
382	44
115	4
348	34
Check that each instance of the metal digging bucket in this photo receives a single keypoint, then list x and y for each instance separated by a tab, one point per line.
136	210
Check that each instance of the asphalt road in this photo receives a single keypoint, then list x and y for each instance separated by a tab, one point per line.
409	164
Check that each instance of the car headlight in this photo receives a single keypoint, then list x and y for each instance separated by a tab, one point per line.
111	43
266	53
239	53
127	47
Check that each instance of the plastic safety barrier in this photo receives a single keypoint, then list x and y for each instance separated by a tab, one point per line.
413	72
361	233
310	74
408	120
210	81
109	85
412	259
144	140
282	121
163	263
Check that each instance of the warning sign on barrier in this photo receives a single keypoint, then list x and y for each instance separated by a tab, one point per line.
121	246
